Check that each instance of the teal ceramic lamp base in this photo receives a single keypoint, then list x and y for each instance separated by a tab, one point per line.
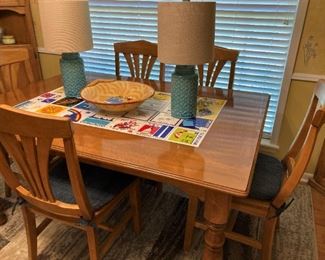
184	91
73	74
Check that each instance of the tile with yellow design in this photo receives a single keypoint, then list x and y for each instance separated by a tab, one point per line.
51	110
181	135
209	108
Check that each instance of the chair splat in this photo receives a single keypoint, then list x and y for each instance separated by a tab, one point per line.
140	57
221	57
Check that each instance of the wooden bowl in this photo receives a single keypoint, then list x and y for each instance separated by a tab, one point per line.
116	95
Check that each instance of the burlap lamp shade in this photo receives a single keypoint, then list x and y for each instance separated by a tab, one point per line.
185	37
186	32
66	29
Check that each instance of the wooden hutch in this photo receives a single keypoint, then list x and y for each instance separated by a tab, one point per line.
16	20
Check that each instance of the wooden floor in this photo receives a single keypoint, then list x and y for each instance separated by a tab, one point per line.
319	211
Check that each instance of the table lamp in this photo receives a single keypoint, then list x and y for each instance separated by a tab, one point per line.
185	38
66	29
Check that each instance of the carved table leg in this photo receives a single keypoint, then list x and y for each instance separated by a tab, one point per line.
216	212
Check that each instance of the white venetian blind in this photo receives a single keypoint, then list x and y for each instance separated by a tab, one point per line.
260	29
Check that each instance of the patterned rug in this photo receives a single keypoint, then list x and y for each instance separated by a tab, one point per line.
162	234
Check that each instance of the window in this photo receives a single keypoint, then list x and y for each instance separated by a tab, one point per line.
260	29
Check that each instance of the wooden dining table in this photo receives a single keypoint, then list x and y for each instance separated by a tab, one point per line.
220	169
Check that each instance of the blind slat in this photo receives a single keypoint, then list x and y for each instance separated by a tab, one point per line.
260	29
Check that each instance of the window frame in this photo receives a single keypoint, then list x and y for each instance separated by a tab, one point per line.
270	141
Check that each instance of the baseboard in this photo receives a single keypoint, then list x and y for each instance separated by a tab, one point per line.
305	178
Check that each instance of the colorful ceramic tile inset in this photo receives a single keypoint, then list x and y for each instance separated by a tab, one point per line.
47	95
86	106
141	114
149	129
30	105
181	135
198	139
77	115
126	125
196	123
96	121
48	100
68	101
51	110
153	104
152	119
161	96
163	131
209	108
165	118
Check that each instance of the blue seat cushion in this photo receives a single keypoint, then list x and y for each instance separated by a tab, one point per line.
101	184
267	178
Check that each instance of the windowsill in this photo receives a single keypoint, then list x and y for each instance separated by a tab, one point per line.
268	147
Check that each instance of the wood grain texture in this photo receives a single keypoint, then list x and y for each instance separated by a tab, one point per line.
13	2
220	58
16	68
216	211
132	52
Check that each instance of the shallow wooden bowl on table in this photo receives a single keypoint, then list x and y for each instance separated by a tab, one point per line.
116	95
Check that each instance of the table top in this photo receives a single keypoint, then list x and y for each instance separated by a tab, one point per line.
223	162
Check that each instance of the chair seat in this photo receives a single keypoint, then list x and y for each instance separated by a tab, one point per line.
267	178
101	184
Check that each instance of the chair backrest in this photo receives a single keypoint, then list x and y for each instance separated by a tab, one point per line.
221	57
298	156
27	138
15	67
134	52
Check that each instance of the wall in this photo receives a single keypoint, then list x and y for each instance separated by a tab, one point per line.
49	62
310	59
50	65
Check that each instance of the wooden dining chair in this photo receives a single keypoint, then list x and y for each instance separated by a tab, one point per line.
79	195
272	185
135	52
220	58
16	68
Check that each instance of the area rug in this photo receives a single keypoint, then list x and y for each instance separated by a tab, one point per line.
162	234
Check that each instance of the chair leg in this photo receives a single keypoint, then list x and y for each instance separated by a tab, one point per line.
190	222
7	188
159	188
31	232
92	243
7	191
268	236
3	218
135	205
